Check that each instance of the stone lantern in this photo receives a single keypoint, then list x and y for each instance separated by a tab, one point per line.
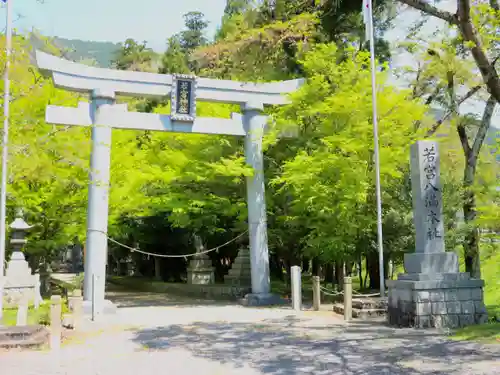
20	282
19	228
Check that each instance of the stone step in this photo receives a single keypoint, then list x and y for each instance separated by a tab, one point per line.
241	263
24	337
370	303
242	280
233	272
363	314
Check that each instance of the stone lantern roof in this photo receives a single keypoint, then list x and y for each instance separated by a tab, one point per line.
19	223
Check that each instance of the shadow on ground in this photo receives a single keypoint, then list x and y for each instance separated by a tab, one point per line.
126	299
287	347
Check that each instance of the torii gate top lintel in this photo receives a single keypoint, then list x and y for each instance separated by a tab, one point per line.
77	77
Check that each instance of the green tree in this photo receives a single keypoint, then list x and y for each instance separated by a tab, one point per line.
236	7
47	174
134	56
174	60
194	35
330	178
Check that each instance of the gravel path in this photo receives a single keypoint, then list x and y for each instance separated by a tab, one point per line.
188	339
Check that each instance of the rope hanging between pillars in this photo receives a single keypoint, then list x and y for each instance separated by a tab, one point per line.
134	249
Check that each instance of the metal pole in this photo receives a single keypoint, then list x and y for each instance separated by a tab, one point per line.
93	297
376	152
5	141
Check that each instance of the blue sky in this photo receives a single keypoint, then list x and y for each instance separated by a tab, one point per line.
112	20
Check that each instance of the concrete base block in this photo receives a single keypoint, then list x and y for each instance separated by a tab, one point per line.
451	302
108	308
264	299
431	263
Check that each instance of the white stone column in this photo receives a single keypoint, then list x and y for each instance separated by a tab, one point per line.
254	122
98	197
296	281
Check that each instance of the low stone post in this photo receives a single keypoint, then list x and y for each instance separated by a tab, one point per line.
316	293
296	288
347	298
77	308
55	322
22	311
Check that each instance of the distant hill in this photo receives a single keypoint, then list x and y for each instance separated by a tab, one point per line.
101	53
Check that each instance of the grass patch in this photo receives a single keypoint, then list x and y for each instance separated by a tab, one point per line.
490	332
35	316
491	276
486	333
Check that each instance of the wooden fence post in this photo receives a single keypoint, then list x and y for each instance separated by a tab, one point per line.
55	322
347	298
316	293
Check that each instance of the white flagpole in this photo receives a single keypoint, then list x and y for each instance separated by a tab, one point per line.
376	149
5	141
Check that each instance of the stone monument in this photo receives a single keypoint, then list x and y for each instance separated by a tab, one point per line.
240	272
200	270
432	292
20	284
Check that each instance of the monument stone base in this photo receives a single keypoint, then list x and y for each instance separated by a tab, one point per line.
441	300
431	263
201	271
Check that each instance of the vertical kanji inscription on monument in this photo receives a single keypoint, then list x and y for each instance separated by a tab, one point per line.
427	197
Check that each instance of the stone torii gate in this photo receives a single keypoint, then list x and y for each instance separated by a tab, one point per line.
102	114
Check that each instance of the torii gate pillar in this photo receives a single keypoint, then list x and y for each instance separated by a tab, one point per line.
254	122
98	205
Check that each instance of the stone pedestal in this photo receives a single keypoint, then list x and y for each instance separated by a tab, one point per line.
446	300
200	270
240	273
432	292
20	284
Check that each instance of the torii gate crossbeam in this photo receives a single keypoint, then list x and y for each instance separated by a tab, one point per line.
102	114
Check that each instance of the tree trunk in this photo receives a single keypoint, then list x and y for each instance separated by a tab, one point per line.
339	275
315	267
276	267
157	268
360	272
288	263
387	262
471	241
328	273
305	264
373	269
